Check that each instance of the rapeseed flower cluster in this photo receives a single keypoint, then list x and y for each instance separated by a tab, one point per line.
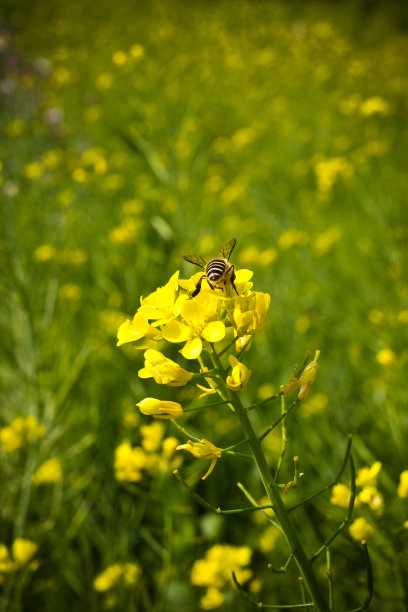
22	553
367	493
214	571
154	454
126	573
21	431
212	320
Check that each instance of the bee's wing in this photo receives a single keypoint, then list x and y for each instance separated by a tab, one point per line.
198	260
228	247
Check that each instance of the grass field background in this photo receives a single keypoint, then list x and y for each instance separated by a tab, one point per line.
134	133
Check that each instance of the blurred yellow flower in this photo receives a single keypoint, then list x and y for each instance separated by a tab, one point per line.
215	569
374	106
70	291
202	450
386	357
360	529
169	446
152	436
23	550
368	476
119	58
34	170
45	252
371	495
238	379
340	496
163	370
126	232
136	51
130	462
403	484
20	431
49	472
212	599
328	171
108	578
267	539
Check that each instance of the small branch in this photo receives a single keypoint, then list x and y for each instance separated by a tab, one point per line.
262	605
207	505
284	439
265	401
370	584
329	577
282	416
333	482
347	518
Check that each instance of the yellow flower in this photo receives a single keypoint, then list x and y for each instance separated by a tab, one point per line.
403	484
367	476
305	379
162	305
213	598
159	409
375	105
239	376
202	450
152	436
45	252
197	326
386	357
6	563
340	496
136	330
108	578
371	496
130	573
20	431
218	564
34	170
360	529
23	550
250	313
163	370
129	462
49	472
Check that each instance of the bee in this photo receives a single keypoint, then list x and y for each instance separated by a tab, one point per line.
218	271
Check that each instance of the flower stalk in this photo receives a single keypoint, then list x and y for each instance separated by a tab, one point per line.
303	563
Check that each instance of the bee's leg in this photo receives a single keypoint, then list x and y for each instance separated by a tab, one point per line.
198	287
212	286
233	277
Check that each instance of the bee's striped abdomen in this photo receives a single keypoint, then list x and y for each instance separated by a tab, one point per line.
215	269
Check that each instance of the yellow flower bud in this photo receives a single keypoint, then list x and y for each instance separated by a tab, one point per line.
159	409
163	370
239	376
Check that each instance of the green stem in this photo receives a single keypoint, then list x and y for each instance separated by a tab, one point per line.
273	493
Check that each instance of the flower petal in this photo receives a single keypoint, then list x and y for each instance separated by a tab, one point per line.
214	331
192	349
175	331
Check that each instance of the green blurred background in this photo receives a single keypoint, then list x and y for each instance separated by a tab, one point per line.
134	133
